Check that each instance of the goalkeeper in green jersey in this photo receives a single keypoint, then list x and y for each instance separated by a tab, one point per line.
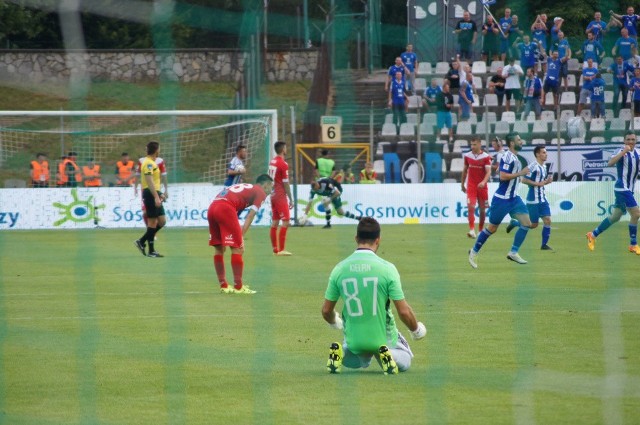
367	284
331	192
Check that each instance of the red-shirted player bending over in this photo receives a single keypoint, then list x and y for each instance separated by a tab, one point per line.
225	230
281	200
477	171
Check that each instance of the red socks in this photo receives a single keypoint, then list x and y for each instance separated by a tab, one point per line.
237	264
472	216
282	236
274	241
218	263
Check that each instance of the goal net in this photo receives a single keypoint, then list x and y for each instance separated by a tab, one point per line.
196	145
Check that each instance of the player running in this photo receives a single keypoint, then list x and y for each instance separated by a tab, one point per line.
331	192
627	162
506	201
476	172
225	230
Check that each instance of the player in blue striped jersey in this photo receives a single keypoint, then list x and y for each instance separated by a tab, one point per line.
236	169
506	201
537	202
627	162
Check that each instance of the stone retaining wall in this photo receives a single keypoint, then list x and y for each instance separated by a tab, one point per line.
146	65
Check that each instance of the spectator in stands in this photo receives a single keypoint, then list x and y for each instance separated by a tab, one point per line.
490	40
410	61
620	70
625	46
398	100
505	26
597	96
597	27
40	171
552	78
453	76
467	35
634	86
514	32
465	97
368	174
345	175
444	104
125	171
591	49
564	54
539	33
398	66
532	93
69	174
588	75
499	150
556	28
629	21
429	95
91	174
512	74
496	86
529	52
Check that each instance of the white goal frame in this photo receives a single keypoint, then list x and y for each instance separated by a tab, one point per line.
271	113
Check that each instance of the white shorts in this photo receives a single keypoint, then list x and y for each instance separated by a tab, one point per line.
401	353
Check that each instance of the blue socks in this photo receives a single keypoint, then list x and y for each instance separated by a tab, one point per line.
606	223
519	238
482	238
546	232
633	231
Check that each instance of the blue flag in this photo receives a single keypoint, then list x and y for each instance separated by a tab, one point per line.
488	2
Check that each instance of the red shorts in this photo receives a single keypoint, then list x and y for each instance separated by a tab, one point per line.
280	209
224	227
480	195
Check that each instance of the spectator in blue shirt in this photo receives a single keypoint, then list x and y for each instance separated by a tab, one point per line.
588	75
591	49
620	70
552	78
564	54
505	27
625	46
528	52
430	94
598	27
634	86
398	100
532	93
410	61
555	29
629	21
539	33
597	97
398	66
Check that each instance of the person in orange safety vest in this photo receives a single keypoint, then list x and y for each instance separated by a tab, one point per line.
40	171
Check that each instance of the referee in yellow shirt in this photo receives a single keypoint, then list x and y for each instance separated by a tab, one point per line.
152	199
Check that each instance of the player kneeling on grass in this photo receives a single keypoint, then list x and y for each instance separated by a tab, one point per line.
331	190
367	283
225	230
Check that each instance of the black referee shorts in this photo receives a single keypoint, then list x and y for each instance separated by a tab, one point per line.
150	204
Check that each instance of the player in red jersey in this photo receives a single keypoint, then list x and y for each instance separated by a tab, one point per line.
163	174
225	230
476	172
281	200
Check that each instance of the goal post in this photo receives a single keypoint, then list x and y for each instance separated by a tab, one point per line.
196	144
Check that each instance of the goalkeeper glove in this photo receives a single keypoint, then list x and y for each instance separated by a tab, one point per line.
420	332
337	321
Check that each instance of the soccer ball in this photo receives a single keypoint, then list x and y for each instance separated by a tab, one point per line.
302	220
240	168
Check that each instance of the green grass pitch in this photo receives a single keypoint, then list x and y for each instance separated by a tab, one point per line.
92	332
